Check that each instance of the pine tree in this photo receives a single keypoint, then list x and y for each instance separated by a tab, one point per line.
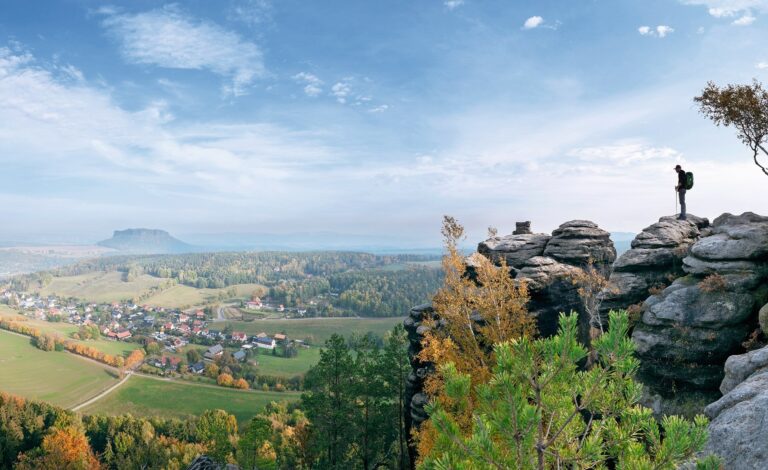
540	410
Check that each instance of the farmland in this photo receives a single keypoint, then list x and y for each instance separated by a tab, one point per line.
56	377
99	286
279	366
142	396
317	330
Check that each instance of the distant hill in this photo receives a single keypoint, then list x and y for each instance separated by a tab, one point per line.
146	241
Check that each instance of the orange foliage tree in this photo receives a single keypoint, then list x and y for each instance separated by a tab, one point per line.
241	384
471	315
62	449
225	380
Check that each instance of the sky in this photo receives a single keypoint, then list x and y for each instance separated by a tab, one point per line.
367	118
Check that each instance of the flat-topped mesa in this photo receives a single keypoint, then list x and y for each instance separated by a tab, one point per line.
690	328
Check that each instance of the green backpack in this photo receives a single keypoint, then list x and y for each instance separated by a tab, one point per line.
688	180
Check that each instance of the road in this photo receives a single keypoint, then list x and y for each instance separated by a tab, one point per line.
103	394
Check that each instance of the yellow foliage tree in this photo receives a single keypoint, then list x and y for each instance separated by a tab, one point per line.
62	449
472	314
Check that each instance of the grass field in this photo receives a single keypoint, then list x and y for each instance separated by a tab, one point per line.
316	329
184	296
56	377
100	286
66	329
287	367
141	396
110	287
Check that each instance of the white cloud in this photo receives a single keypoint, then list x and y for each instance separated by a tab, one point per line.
533	22
745	20
251	12
312	84
732	8
341	90
761	65
451	4
379	109
661	31
169	38
625	153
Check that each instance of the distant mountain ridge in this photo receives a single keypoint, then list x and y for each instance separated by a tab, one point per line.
146	241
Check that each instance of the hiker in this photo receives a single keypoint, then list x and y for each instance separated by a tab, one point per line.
682	184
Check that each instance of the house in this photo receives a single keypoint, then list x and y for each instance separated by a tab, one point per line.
122	334
239	336
261	335
253	305
171	362
197	367
213	352
280	337
239	356
265	343
183	318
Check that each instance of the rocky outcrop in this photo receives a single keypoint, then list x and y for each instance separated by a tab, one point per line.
654	260
739	420
688	330
545	262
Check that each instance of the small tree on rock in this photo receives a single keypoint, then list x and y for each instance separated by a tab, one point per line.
744	107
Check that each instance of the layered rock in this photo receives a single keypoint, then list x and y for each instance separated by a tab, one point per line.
689	329
654	260
545	262
739	420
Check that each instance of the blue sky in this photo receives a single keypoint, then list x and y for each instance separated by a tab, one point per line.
367	117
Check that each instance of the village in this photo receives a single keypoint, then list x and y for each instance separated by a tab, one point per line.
165	333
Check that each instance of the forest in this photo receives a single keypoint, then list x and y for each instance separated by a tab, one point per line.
323	283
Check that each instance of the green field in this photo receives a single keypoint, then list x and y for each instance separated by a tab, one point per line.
141	396
56	377
287	367
317	330
100	286
66	329
181	296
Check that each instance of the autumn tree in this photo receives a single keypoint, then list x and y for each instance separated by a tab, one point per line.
61	449
241	383
472	313
254	450
225	380
539	410
745	107
218	429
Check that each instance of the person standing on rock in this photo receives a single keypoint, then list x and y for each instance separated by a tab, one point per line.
680	188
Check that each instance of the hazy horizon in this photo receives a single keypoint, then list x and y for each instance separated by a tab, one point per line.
367	119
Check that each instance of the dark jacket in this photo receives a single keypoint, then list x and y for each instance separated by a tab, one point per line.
682	181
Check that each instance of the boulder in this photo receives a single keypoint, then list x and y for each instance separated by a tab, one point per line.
763	319
578	241
743	237
514	249
654	260
739	424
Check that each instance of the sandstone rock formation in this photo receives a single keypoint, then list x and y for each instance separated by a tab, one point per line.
689	329
654	260
544	261
739	420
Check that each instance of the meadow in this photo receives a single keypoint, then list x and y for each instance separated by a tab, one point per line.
56	377
317	330
142	396
279	366
181	296
100	286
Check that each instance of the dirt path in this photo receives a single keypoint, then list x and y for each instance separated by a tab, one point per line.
102	394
